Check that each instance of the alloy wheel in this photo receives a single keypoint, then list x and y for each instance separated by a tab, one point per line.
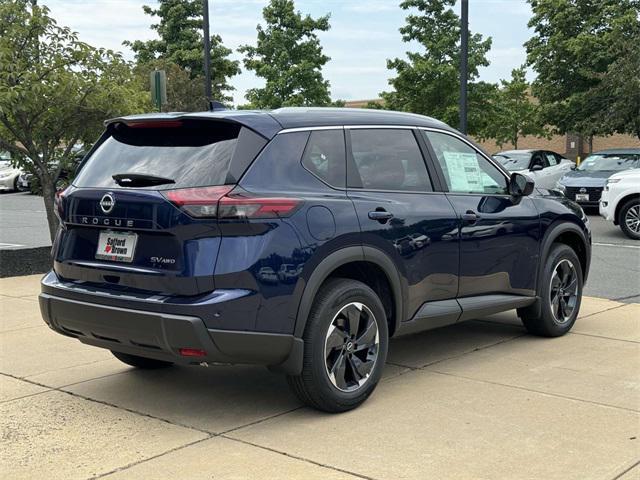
351	347
632	219
563	294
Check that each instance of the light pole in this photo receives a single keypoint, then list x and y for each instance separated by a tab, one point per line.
464	54
207	50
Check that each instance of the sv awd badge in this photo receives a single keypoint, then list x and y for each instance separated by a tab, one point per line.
163	260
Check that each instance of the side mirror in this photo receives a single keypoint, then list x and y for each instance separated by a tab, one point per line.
520	185
536	168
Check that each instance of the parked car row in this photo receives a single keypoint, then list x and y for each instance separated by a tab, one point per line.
16	179
608	179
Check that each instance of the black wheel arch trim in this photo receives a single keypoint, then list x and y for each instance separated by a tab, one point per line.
341	257
357	253
551	235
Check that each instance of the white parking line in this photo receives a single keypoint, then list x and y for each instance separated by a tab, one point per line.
10	245
615	245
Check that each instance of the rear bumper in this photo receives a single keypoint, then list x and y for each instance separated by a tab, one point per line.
161	335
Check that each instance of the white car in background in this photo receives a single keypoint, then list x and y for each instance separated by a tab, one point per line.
620	202
8	174
544	166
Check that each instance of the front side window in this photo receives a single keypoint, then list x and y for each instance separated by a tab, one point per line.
551	159
324	156
388	159
465	170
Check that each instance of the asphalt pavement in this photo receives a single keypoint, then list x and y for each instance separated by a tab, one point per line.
615	263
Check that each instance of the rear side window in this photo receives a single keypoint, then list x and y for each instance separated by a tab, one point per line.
191	153
388	159
324	156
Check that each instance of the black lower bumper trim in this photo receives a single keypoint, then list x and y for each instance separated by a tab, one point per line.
160	335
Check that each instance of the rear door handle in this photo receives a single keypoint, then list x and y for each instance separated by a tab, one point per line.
470	217
380	215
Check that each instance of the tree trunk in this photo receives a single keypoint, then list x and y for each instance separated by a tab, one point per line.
48	195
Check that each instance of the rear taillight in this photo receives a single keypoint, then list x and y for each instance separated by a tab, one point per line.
256	207
198	202
210	202
59	203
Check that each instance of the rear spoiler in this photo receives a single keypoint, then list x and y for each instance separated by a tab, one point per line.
260	122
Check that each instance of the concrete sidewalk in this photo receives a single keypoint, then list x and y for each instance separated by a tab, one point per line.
476	400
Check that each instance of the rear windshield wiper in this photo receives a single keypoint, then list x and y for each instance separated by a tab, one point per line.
140	180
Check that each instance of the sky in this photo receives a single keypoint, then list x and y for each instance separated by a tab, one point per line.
363	35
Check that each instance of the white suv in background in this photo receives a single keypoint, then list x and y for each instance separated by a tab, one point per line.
620	201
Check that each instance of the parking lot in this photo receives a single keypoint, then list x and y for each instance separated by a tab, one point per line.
480	399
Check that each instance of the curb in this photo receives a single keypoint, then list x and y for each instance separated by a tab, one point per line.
25	261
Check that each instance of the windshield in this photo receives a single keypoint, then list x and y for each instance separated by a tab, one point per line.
513	161
190	155
609	162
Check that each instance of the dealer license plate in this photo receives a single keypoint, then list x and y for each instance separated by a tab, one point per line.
116	246
582	197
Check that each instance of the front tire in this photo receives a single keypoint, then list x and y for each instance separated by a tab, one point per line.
141	362
560	295
629	218
345	347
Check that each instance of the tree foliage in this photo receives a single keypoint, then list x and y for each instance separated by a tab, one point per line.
181	42
428	82
288	55
515	113
55	91
583	52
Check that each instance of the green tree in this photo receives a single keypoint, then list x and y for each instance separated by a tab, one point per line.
184	92
55	91
181	42
288	55
428	82
515	114
579	52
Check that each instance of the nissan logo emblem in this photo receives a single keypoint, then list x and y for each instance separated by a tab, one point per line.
583	190
107	202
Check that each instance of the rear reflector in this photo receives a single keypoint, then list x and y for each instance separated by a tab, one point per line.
192	352
209	202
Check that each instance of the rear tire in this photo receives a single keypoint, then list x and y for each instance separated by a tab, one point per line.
629	218
345	347
141	362
560	294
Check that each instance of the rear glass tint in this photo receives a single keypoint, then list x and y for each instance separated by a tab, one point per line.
193	154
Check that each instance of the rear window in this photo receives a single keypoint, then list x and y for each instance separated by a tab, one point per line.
192	154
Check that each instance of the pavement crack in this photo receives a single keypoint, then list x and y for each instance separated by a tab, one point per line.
602	336
533	390
153	457
296	457
113	405
626	470
256	422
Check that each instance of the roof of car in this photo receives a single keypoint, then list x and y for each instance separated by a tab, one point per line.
270	122
506	152
610	151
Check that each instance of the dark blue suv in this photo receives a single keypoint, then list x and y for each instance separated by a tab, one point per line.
302	239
